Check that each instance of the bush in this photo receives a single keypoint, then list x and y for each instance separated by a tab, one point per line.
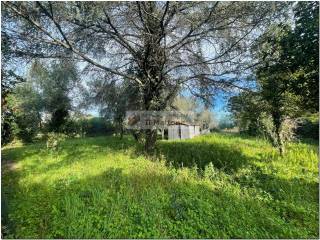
72	128
84	127
54	140
96	126
308	127
27	126
7	126
261	126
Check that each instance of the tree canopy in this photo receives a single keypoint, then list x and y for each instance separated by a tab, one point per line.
161	47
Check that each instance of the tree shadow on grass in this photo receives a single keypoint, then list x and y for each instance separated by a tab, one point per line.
75	152
146	204
69	152
200	154
15	154
10	175
9	186
179	153
81	208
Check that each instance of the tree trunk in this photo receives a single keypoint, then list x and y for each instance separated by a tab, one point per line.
277	126
150	140
135	135
121	132
279	141
40	122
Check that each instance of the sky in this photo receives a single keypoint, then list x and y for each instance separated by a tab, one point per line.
220	106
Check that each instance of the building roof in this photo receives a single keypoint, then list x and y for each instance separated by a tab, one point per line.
183	123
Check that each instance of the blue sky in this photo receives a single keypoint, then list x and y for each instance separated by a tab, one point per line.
220	105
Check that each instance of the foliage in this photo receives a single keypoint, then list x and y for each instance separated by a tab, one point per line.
115	99
186	104
287	83
301	54
206	119
97	126
230	186
91	126
9	79
226	123
7	125
161	47
274	81
54	140
27	127
26	107
72	128
195	110
247	110
308	126
46	90
54	83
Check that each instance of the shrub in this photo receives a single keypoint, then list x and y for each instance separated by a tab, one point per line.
7	126
54	140
289	127
210	172
308	127
27	126
71	128
96	126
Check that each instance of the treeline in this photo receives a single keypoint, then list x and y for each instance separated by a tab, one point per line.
43	104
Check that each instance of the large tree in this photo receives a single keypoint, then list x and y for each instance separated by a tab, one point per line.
289	70
276	78
169	44
303	50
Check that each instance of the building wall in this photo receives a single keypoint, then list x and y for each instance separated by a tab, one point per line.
191	131
186	131
197	131
173	132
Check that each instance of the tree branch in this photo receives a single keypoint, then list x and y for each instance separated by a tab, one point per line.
65	45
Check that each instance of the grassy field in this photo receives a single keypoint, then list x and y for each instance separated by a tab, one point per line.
213	186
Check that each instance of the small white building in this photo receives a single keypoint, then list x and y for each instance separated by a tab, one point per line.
179	130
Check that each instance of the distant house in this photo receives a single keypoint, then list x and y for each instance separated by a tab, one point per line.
181	130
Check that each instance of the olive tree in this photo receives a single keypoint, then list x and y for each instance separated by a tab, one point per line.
170	45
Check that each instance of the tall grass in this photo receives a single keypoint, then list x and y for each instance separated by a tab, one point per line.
213	186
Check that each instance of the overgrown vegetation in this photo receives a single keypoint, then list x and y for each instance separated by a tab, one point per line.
287	84
213	186
60	60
